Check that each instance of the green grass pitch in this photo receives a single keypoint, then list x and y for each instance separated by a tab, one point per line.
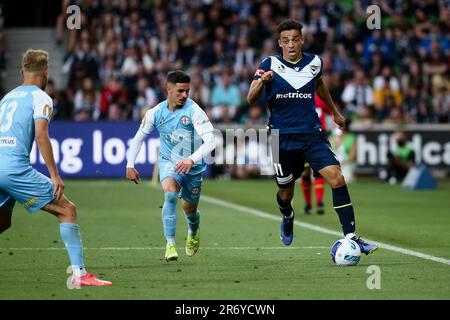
241	255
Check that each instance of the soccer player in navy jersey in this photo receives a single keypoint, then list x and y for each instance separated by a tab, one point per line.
289	82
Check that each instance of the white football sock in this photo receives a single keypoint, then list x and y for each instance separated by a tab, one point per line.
79	271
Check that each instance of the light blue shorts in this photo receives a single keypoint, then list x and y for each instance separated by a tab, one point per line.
29	187
190	184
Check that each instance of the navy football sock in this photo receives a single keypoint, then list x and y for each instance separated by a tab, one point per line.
285	207
344	208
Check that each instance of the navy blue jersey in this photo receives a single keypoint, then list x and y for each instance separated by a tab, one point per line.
290	93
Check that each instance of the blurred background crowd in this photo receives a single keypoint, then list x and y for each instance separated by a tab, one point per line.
115	64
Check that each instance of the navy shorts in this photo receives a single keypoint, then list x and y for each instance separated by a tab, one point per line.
297	149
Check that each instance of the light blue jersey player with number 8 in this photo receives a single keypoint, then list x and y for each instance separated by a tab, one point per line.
25	113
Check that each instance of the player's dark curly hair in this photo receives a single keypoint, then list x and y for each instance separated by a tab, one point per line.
289	25
178	76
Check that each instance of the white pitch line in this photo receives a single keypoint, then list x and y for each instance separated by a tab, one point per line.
305	225
309	226
162	248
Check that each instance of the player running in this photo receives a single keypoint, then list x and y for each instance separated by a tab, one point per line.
25	114
289	82
187	137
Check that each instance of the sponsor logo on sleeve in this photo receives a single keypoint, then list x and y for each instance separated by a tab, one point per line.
259	72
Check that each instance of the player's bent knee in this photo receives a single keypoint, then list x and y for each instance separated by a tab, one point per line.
72	208
69	212
286	195
189	208
171	197
337	180
190	211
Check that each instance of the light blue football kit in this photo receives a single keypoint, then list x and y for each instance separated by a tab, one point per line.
184	133
181	134
18	180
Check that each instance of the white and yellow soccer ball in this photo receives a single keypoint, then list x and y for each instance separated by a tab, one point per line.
345	252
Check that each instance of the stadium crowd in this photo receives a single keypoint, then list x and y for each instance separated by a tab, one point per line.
116	63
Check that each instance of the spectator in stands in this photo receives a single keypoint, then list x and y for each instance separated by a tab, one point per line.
130	40
244	56
199	90
109	70
358	93
435	63
255	116
114	92
146	98
268	48
412	76
62	108
425	113
394	115
82	64
115	113
412	104
441	104
225	98
378	42
87	102
365	119
385	85
342	63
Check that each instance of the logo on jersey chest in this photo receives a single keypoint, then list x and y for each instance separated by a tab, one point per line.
314	70
293	95
185	120
280	68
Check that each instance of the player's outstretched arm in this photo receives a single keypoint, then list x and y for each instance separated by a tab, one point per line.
135	146
257	86
324	94
45	147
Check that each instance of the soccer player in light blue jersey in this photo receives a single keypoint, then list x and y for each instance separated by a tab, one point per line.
187	138
25	114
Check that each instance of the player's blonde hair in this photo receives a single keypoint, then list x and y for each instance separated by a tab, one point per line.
35	60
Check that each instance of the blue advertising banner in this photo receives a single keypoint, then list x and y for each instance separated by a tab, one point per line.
96	149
